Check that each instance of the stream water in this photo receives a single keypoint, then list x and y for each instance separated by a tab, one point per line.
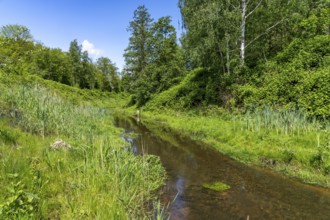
255	193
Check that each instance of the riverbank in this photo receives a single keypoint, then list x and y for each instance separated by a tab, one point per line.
299	149
62	158
192	167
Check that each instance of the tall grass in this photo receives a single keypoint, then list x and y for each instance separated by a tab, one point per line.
288	141
94	179
40	111
288	122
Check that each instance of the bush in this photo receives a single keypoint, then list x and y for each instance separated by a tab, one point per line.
297	78
194	90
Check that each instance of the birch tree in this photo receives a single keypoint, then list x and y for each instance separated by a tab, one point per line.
222	31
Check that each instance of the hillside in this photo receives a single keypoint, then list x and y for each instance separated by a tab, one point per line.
63	158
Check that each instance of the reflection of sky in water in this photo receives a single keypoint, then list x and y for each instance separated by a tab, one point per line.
131	143
178	202
180	185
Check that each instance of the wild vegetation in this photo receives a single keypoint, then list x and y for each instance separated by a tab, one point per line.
284	141
20	55
62	157
252	85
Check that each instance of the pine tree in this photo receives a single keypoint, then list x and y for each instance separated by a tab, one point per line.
136	54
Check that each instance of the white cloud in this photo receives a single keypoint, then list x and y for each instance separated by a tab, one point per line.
90	48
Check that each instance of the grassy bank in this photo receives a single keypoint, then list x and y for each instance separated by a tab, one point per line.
285	141
62	158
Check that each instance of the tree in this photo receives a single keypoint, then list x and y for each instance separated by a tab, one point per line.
110	74
163	40
86	76
15	50
75	56
16	32
136	54
166	61
154	61
53	64
225	35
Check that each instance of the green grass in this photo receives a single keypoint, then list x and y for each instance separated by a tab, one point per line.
286	141
94	179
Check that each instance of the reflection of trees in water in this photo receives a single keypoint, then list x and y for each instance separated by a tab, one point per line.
254	192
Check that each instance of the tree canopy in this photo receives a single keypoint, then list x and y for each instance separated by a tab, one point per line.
16	32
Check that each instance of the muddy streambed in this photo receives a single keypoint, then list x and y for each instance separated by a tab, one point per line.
255	193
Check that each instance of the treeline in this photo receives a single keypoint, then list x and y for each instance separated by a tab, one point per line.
20	54
235	41
241	54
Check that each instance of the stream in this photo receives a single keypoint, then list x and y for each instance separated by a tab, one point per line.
255	193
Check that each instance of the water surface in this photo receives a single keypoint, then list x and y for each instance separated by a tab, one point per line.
255	193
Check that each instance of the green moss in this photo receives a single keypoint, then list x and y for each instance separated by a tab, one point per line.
216	186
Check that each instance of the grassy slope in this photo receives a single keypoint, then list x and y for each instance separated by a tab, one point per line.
94	179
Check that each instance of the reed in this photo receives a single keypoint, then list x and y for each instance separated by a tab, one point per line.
285	140
94	179
288	122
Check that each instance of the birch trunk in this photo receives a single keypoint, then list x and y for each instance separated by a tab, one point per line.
243	22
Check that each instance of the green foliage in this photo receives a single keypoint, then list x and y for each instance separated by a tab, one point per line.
53	64
75	54
195	90
288	122
75	68
15	56
298	78
321	159
287	141
8	137
94	178
87	73
137	53
214	31
109	73
154	61
281	55
18	203
16	32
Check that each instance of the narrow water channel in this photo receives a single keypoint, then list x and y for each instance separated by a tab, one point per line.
255	193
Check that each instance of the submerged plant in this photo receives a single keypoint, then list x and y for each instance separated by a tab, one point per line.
216	186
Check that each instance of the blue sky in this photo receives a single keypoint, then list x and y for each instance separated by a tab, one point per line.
100	25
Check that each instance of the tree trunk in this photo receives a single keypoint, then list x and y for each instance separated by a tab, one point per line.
243	22
227	54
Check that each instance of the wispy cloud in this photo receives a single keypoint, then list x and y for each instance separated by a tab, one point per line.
91	49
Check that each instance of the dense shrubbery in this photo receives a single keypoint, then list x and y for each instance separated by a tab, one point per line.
184	95
298	78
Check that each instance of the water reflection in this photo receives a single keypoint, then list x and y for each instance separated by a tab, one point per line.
255	193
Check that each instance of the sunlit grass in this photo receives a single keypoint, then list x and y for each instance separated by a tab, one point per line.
94	179
287	141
